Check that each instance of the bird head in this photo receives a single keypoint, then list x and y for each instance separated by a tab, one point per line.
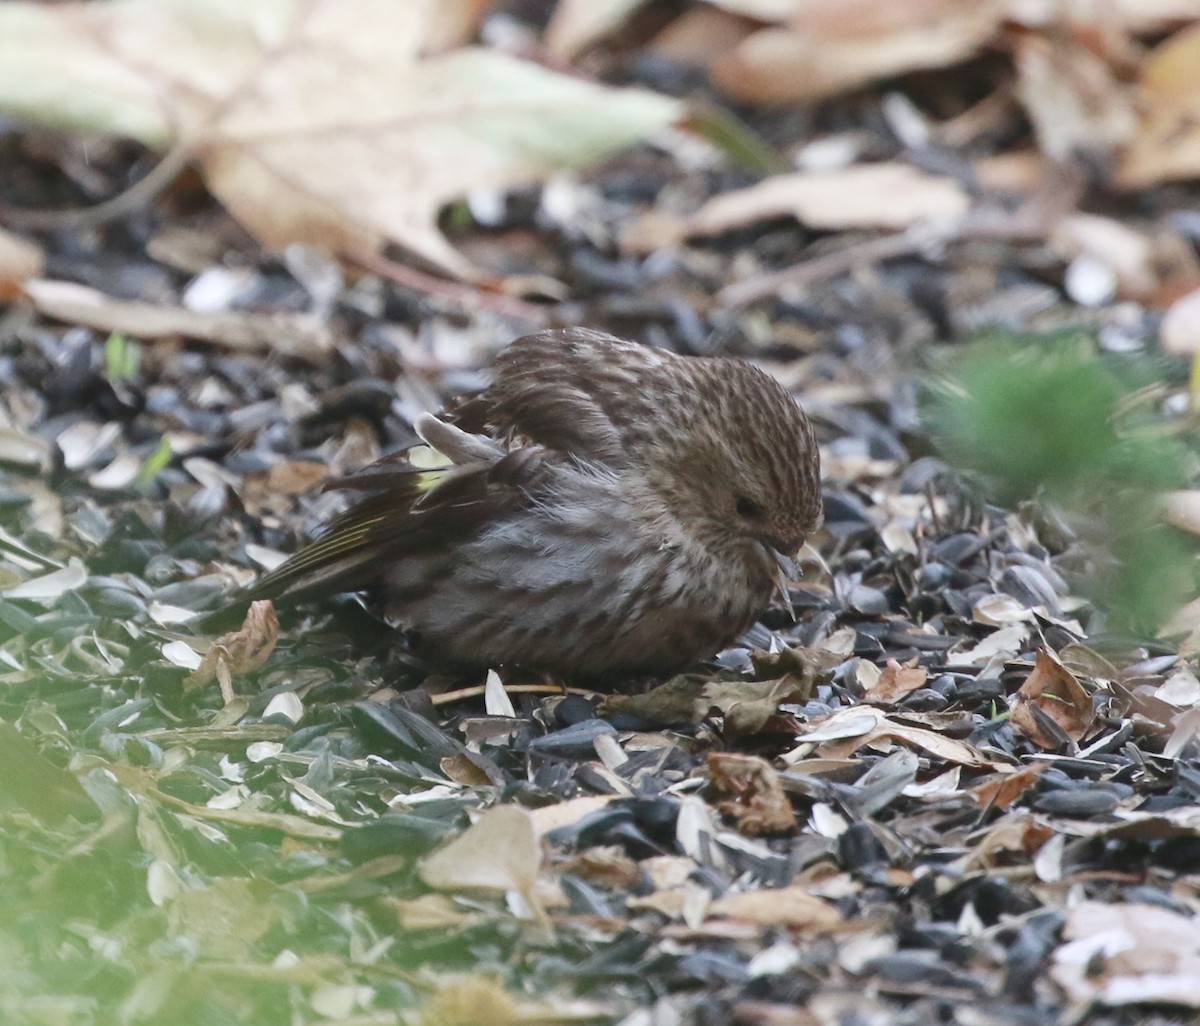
737	454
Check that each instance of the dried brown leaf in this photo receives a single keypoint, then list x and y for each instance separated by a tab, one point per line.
299	335
838	44
746	705
886	195
1004	789
1167	143
1075	102
758	803
783	906
896	681
20	260
1055	692
326	122
241	651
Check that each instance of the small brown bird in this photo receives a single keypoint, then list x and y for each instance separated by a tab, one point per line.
601	509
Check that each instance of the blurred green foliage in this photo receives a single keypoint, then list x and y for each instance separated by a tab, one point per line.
1050	418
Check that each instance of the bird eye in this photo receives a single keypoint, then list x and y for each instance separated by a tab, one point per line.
747	508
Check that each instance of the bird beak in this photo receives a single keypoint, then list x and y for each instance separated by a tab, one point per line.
787	574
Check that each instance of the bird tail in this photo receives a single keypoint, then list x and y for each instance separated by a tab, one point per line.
349	552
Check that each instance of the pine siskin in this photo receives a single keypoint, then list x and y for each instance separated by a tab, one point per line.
601	509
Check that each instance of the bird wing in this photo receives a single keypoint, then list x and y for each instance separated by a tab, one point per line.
416	501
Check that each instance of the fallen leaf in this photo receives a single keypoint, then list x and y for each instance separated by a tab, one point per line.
1179	332
1004	789
324	122
1051	693
498	853
1181	689
700	36
1167	143
566	813
1004	643
746	705
1128	953
832	45
292	334
578	24
847	730
1072	97
896	681
295	477
780	906
427	912
239	652
605	865
20	260
1111	17
886	195
759	803
1185	623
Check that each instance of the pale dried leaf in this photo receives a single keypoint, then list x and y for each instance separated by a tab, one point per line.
1004	643
1127	953
1181	689
1179	332
847	730
499	853
783	906
577	24
1167	143
1108	17
763	10
567	813
496	700
884	195
20	259
299	335
838	45
327	122
1074	101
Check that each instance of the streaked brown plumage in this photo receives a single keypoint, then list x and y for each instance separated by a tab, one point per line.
609	509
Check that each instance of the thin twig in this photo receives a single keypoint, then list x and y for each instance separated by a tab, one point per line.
180	154
467	296
1031	221
821	268
142	192
446	697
